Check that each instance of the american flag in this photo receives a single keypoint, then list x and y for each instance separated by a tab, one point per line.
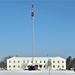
32	12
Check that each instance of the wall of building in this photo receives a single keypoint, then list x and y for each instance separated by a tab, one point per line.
19	63
58	63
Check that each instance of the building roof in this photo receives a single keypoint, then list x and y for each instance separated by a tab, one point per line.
25	58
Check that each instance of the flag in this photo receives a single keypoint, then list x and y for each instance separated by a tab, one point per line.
32	11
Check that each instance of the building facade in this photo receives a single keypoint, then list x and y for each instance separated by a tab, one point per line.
20	63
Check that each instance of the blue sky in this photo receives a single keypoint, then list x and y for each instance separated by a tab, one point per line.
54	30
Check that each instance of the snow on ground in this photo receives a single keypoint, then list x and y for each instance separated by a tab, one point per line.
37	72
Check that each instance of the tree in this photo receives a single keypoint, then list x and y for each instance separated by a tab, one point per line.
73	63
69	63
3	63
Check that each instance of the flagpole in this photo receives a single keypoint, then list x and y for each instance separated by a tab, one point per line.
32	39
32	15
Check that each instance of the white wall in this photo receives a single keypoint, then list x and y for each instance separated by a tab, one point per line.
19	62
12	63
59	63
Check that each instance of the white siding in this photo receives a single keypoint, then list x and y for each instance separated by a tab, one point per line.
59	63
18	63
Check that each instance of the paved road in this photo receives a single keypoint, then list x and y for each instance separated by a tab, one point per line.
37	73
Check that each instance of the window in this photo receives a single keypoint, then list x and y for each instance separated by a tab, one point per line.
18	66
31	61
18	61
36	61
44	61
58	61
40	61
27	61
53	61
9	66
9	61
62	66
40	66
53	66
23	61
13	61
44	66
13	66
58	66
62	61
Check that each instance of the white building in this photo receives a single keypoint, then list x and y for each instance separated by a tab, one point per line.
19	63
